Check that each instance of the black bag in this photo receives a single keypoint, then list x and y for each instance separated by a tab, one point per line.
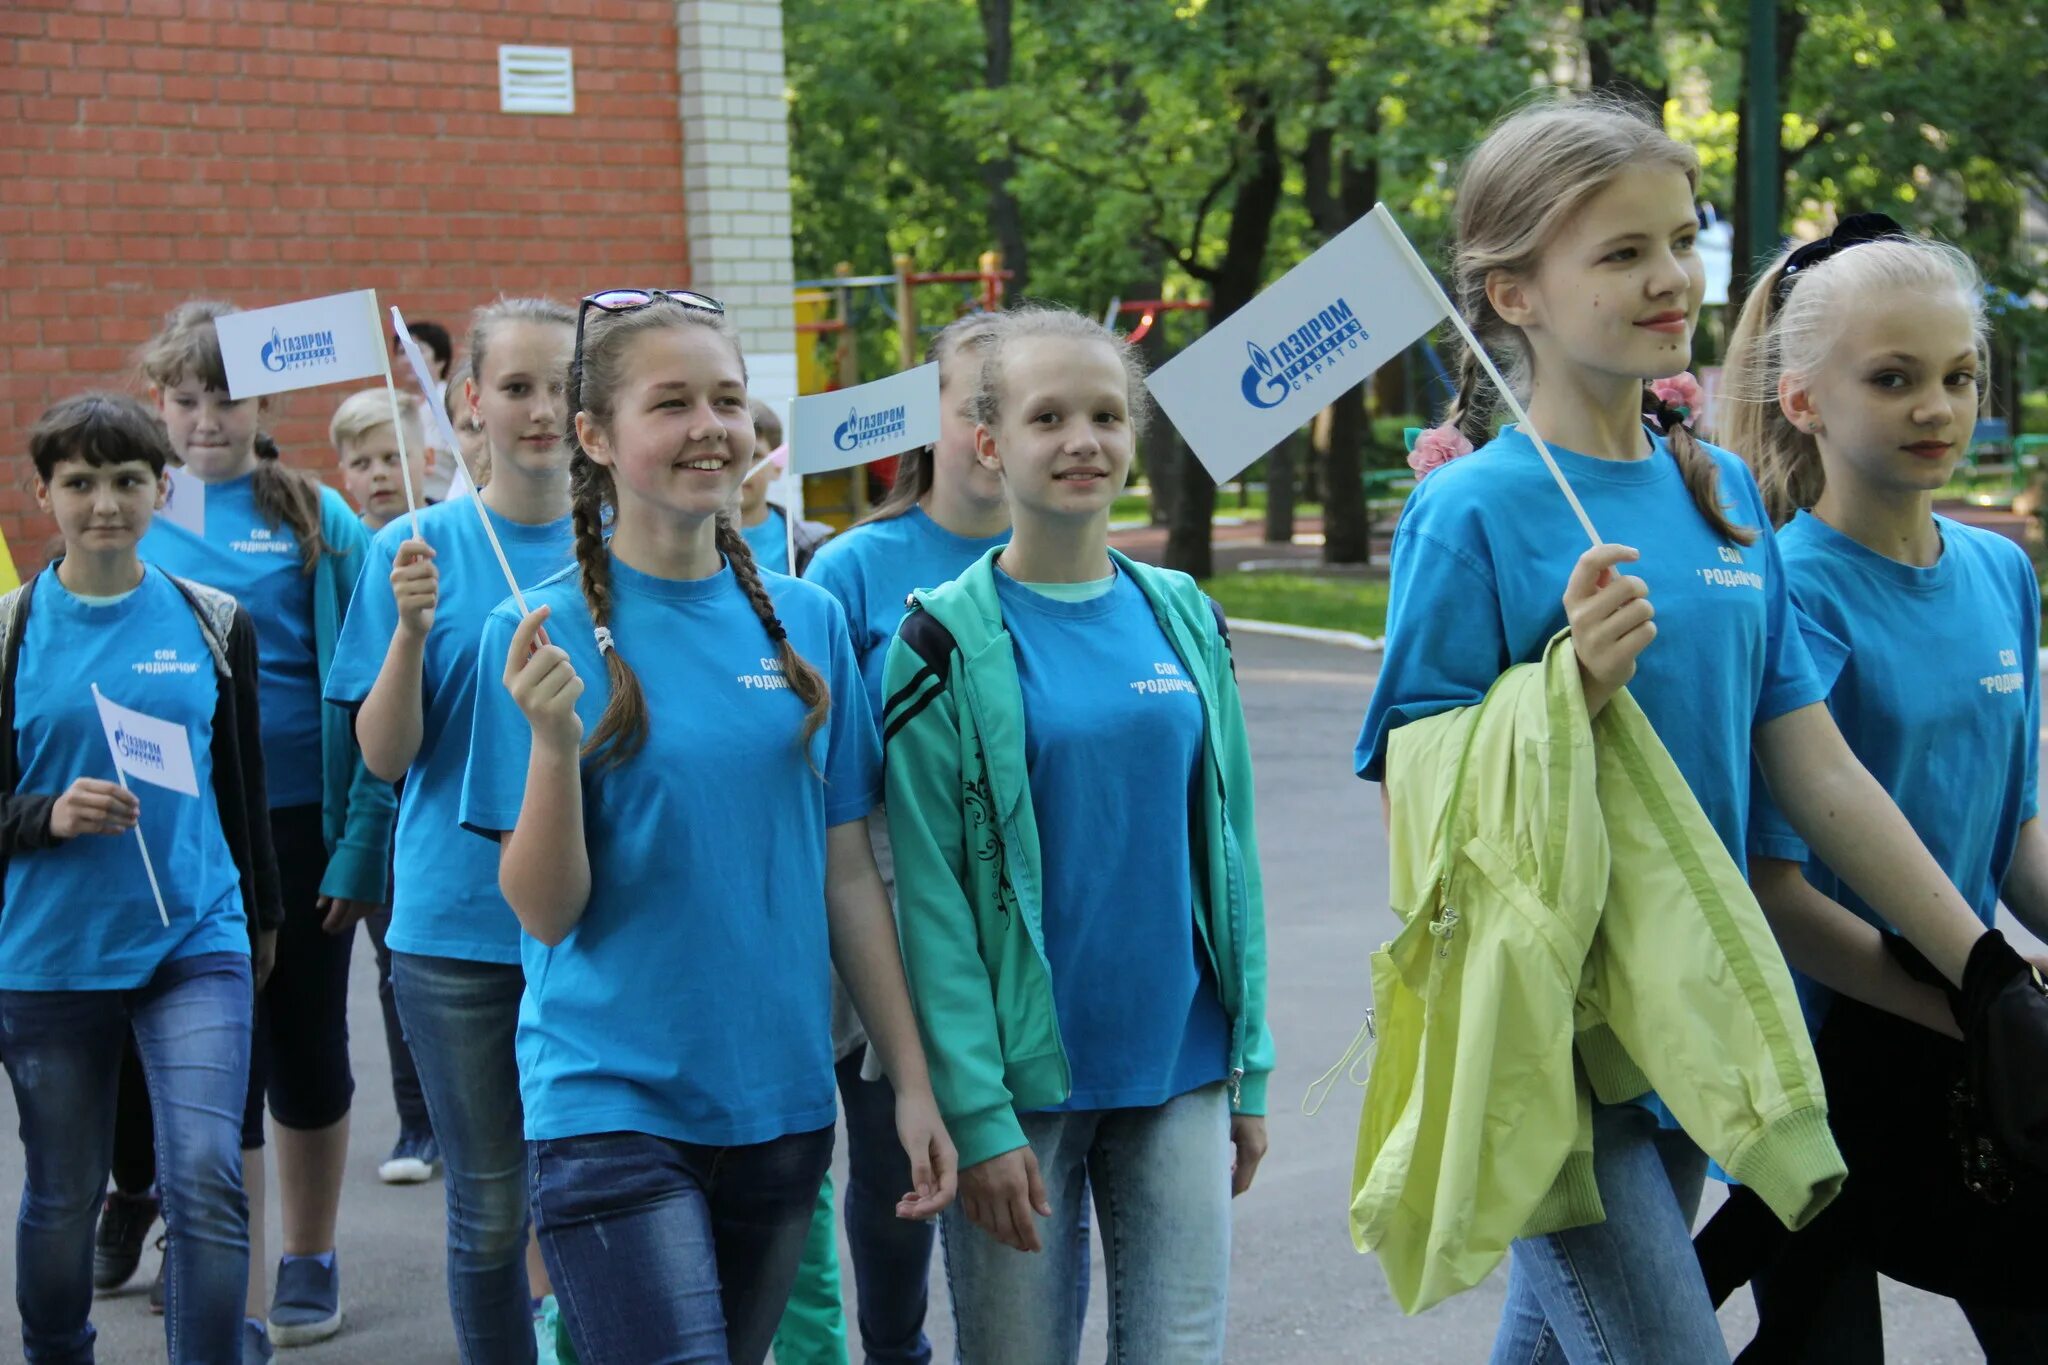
2003	1010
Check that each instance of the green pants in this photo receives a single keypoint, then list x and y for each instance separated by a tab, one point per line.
813	1330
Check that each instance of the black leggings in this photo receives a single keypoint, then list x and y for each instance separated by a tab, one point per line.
299	1053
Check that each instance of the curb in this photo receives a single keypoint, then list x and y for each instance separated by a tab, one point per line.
1350	639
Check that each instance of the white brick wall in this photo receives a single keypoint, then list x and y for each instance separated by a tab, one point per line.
736	176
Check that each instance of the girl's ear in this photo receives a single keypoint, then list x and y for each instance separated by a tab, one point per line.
163	489
593	438
42	492
985	452
469	397
156	396
1795	400
1509	295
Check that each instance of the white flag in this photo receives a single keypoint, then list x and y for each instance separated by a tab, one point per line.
299	345
155	751
867	422
185	504
1314	334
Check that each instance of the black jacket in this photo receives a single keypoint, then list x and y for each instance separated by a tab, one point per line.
238	781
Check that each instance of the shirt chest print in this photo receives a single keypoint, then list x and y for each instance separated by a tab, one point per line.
261	540
2008	679
1730	573
771	678
1166	678
166	661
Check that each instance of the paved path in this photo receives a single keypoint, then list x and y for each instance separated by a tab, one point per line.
1300	1294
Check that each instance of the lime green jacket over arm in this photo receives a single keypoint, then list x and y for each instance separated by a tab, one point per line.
1573	931
969	875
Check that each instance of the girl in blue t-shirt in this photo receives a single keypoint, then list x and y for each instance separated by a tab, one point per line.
290	550
99	939
1856	372
1577	263
684	843
1079	894
407	664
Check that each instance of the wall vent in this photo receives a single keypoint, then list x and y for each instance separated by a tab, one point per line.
536	80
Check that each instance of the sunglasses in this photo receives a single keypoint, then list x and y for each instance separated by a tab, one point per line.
633	300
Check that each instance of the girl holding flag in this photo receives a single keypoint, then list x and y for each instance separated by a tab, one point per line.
407	665
674	1040
1856	371
1078	890
291	551
1576	254
89	958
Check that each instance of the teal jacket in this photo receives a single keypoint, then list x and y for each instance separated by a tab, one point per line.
968	869
357	808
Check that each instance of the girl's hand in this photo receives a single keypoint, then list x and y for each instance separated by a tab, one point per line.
1000	1195
416	584
544	684
1610	616
934	1163
264	957
90	806
1248	1138
340	916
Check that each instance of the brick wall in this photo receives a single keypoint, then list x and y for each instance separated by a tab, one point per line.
267	150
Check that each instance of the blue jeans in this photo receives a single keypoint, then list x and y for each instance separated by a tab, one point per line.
1161	1180
62	1051
664	1251
892	1257
1626	1291
459	1020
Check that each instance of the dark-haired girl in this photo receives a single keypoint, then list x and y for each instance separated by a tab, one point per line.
290	550
674	1043
86	957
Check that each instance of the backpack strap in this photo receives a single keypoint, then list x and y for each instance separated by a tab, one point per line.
216	612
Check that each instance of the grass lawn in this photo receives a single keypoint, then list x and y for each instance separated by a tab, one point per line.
1301	600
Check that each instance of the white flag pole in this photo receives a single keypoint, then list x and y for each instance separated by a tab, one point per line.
419	374
412	506
1507	393
147	866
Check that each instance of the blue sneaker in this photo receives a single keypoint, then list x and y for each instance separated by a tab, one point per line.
256	1348
415	1160
306	1305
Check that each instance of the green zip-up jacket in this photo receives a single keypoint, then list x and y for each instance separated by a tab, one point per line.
968	870
358	809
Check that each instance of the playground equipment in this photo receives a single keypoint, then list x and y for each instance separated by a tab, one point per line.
829	316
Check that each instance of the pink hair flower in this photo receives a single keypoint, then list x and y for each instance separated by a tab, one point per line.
1683	392
1435	448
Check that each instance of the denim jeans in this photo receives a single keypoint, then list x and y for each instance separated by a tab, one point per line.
665	1251
1626	1291
62	1051
892	1257
405	1075
1161	1180
459	1022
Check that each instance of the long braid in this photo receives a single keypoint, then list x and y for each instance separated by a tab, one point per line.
1702	476
622	730
1468	410
804	680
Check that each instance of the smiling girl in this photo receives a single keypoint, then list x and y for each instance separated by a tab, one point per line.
681	927
1577	260
1070	802
290	551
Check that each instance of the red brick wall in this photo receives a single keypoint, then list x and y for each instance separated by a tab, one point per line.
269	150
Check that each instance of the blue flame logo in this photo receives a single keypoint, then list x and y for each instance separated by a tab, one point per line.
1264	386
845	434
273	352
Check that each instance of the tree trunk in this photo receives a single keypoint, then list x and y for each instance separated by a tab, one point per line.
1749	260
1609	20
1337	197
1280	491
1233	283
1005	218
1160	449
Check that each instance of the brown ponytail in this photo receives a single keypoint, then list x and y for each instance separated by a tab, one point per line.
1702	476
804	680
1785	459
917	470
622	730
284	495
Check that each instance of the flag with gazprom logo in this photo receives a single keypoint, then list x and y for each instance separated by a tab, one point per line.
300	345
155	751
1310	337
867	422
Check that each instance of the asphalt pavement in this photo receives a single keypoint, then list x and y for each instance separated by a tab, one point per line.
1300	1295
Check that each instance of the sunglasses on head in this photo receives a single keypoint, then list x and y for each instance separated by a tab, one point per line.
633	300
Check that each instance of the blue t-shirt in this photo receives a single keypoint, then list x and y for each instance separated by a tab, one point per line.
1936	686
1480	562
693	999
1113	736
871	569
80	916
770	542
445	897
243	555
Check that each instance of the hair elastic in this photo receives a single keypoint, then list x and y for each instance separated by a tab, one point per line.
775	630
1854	230
604	640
